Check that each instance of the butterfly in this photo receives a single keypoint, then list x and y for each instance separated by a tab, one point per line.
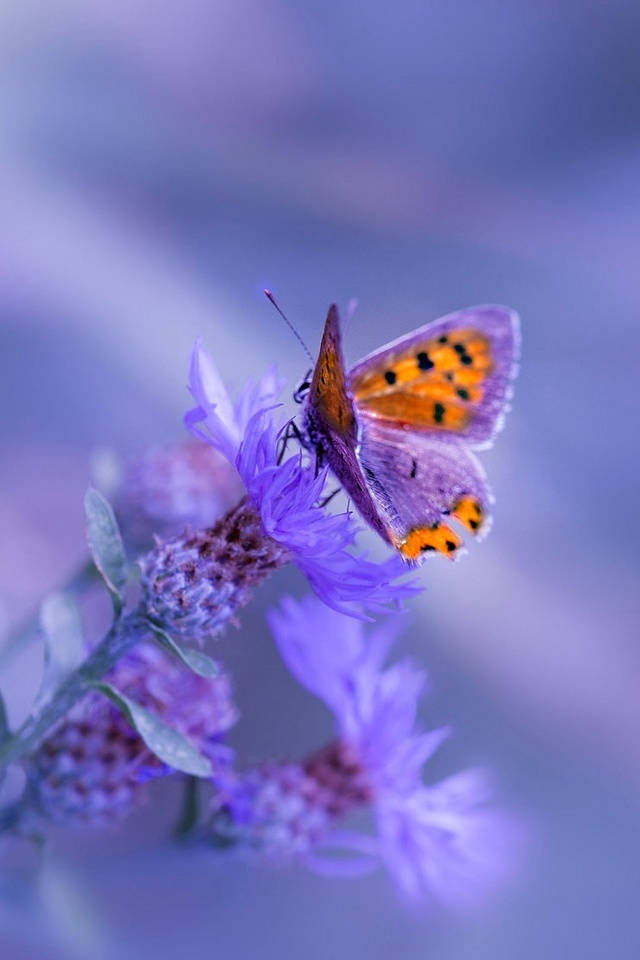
398	428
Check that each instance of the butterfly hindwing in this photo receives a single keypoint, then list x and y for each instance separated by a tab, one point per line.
419	482
451	377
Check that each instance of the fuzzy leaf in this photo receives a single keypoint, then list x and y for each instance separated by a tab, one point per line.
168	744
197	661
63	643
105	543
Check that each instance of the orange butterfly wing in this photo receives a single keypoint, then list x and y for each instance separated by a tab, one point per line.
452	376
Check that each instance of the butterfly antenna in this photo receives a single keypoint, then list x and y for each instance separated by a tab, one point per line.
273	300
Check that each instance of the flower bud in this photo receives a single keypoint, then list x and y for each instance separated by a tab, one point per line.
194	583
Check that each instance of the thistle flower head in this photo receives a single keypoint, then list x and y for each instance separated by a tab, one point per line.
374	708
277	809
285	495
93	766
194	583
443	838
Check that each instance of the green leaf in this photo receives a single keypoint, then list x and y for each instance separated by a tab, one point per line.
64	647
197	661
105	543
168	744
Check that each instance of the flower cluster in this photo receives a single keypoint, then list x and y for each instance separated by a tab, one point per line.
441	838
195	583
232	509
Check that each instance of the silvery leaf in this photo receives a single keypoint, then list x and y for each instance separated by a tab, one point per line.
168	744
105	543
197	661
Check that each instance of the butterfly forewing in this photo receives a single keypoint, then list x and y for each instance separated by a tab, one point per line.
452	376
329	393
331	423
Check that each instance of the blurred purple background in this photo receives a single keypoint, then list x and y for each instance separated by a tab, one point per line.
160	166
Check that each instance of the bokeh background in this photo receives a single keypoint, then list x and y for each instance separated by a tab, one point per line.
160	165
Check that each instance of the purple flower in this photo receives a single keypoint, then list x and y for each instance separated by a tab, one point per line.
286	495
216	418
443	839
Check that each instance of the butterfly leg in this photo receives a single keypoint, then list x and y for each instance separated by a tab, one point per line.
325	500
282	443
320	458
291	432
299	435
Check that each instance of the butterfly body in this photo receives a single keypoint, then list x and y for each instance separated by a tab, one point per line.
397	429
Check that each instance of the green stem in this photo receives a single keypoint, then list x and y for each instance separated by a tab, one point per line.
26	632
190	808
124	633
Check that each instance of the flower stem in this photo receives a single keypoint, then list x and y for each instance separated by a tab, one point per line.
123	634
190	809
24	634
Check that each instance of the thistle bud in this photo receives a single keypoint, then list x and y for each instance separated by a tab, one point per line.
194	583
